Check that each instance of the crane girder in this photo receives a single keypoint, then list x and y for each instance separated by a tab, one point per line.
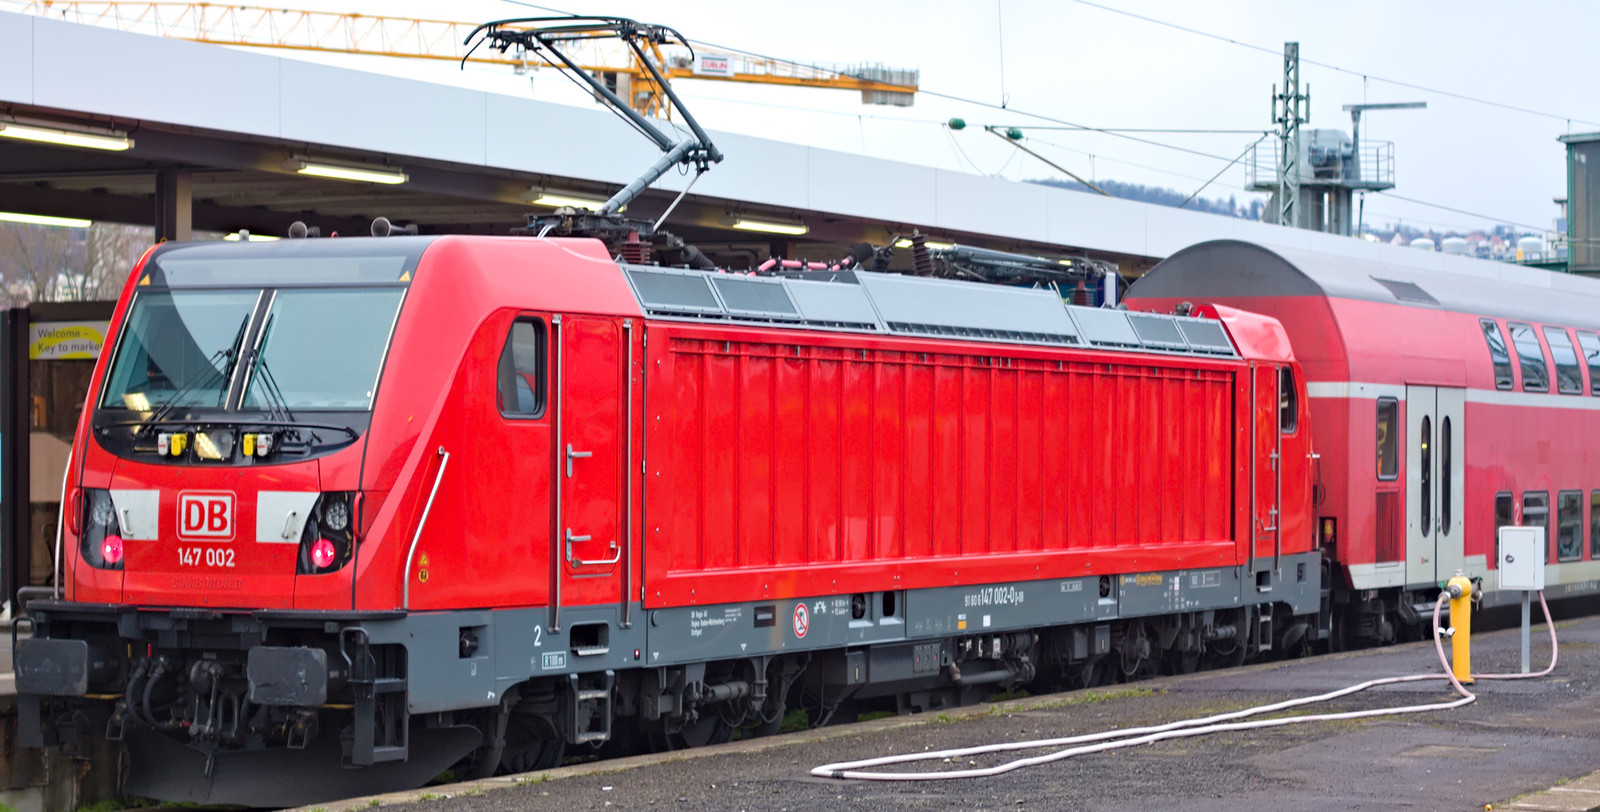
444	40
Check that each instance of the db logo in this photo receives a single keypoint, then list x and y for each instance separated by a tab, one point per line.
205	515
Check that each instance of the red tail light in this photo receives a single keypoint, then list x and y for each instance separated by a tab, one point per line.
323	553
111	549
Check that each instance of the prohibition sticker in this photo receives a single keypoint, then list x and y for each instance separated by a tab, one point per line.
802	620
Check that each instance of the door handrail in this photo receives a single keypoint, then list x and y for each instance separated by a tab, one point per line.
405	599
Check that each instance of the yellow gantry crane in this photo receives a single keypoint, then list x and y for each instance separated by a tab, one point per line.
376	35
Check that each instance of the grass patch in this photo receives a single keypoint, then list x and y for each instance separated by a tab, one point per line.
795	721
1085	698
1007	696
871	715
107	805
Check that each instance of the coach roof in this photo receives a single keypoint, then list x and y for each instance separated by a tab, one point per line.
1237	268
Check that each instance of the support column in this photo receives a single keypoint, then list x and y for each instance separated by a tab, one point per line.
174	205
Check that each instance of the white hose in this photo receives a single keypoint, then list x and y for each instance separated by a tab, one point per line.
1128	737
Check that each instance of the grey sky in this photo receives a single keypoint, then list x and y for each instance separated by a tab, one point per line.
1090	66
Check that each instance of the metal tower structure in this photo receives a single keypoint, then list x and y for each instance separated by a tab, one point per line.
1289	112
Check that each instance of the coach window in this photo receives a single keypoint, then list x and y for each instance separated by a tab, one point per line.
1569	525
1288	403
1497	353
1444	475
1535	377
1426	462
1594	525
1536	513
1502	518
520	376
1388	438
1590	343
1569	381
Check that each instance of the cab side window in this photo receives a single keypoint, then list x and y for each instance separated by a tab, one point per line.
520	375
1535	375
1288	402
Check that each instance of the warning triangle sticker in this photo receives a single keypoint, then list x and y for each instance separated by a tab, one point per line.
145	282
424	559
405	277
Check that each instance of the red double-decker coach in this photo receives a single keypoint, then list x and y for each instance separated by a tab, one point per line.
1445	405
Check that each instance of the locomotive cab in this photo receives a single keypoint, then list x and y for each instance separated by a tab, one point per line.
215	507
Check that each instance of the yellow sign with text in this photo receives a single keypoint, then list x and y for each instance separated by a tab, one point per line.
66	340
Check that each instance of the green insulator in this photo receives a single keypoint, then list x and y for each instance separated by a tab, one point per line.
1014	134
958	124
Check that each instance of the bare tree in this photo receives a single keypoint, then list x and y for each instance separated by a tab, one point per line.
52	263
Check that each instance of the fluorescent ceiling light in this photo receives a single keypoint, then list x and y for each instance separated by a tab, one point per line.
906	243
42	220
555	198
366	173
768	226
91	139
248	237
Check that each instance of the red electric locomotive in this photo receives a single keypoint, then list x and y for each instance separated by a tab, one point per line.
343	513
1445	405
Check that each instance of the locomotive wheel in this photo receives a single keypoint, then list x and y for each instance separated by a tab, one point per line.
708	729
531	744
1183	662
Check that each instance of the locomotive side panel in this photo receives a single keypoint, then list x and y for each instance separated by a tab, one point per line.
782	465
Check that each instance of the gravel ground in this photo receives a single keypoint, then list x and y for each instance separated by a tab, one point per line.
1519	737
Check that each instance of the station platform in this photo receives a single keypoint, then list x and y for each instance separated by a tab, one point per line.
1525	745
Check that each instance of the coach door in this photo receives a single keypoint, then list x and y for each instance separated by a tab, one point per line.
1435	474
1265	453
589	544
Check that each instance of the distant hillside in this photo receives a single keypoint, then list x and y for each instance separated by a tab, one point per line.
1162	196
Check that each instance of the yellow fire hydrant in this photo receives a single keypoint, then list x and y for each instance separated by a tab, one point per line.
1460	590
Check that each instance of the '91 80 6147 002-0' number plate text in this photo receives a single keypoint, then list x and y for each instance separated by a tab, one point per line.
205	556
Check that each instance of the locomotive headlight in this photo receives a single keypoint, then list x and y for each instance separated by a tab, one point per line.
328	541
336	515
213	445
101	544
101	512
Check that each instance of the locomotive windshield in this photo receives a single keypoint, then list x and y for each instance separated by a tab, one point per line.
301	324
315	348
321	349
179	347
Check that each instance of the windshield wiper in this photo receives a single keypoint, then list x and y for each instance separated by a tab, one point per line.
276	402
171	403
232	356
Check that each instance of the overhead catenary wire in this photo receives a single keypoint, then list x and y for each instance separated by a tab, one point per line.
1218	723
1222	170
1363	74
1053	165
1075	126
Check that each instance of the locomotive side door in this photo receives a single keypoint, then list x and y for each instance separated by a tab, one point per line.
588	547
1266	453
1435	480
